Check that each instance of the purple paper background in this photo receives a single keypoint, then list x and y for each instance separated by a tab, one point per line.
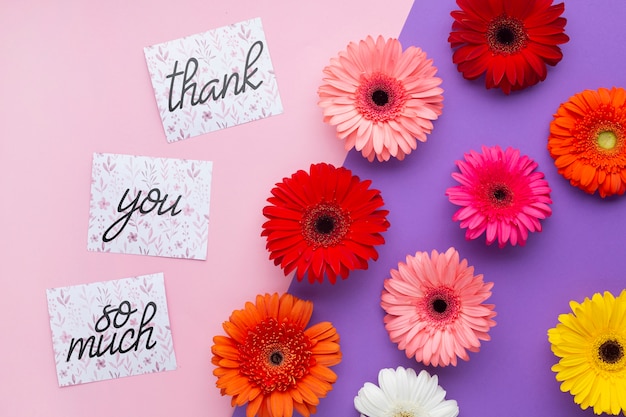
579	252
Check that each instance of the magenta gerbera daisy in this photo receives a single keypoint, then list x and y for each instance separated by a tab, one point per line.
435	308
501	194
380	98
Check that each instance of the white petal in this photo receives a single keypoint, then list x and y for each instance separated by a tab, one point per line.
371	401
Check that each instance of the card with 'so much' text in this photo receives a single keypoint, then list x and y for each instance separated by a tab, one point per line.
110	329
213	80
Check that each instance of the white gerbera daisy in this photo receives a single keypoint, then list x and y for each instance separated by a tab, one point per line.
403	393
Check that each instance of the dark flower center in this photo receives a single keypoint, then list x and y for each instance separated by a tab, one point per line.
440	305
500	195
276	358
325	224
611	351
506	35
380	97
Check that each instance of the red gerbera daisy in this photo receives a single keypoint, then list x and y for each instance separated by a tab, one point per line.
588	141
500	194
325	222
511	41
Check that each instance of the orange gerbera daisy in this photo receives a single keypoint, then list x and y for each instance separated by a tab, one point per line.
587	141
270	362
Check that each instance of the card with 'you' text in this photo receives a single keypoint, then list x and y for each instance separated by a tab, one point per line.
149	206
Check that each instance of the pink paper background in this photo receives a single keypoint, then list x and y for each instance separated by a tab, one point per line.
74	81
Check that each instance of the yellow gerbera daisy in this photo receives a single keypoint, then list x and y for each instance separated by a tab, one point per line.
591	342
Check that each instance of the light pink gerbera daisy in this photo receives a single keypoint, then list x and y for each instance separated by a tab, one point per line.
435	309
380	98
500	194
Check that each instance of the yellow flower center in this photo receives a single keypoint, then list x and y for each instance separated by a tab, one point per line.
607	140
407	409
599	138
608	352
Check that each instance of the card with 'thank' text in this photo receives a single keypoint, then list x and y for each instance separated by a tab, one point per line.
213	80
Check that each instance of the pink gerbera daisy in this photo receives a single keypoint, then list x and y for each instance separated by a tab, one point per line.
435	309
500	194
380	98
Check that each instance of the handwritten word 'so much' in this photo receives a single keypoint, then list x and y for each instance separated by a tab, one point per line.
129	340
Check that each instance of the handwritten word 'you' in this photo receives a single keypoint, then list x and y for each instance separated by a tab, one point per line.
117	317
212	90
150	202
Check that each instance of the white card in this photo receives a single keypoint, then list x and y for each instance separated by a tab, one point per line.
213	80
149	206
110	329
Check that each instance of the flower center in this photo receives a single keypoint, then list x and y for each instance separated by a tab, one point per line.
274	356
607	352
607	140
506	35
441	306
407	408
600	137
379	97
610	351
325	224
500	195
